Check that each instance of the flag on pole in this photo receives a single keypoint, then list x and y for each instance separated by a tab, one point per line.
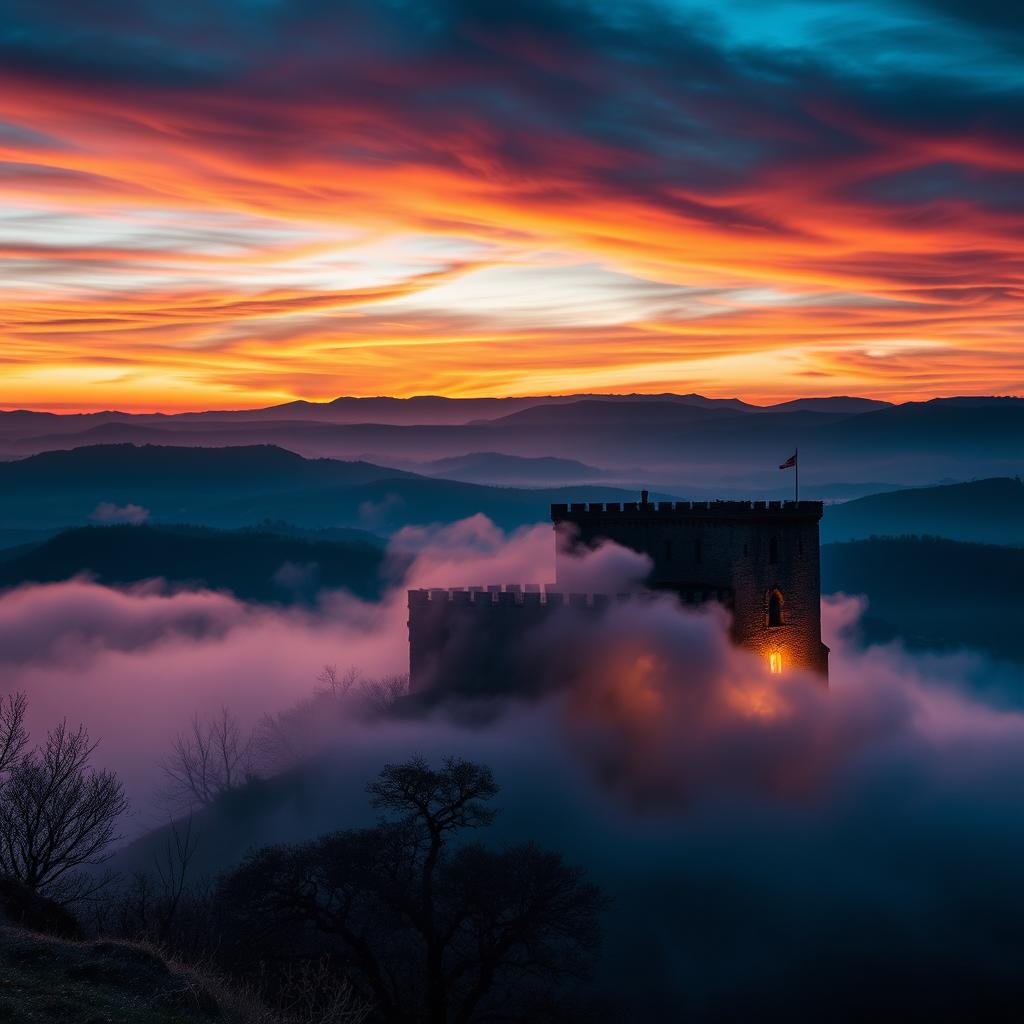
790	462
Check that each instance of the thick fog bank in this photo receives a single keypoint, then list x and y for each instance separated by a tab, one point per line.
771	847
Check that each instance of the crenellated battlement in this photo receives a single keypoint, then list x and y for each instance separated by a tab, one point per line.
534	594
674	509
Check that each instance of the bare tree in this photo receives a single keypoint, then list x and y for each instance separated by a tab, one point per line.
13	734
425	925
150	905
310	992
211	758
284	739
380	695
338	685
58	814
172	870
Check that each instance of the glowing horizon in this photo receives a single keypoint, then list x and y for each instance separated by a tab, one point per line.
241	208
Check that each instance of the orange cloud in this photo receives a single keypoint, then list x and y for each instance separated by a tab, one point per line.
224	249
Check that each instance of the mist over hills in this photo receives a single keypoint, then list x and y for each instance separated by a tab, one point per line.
240	486
930	592
497	468
676	443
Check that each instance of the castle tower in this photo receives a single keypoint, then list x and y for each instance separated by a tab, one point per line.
759	559
763	556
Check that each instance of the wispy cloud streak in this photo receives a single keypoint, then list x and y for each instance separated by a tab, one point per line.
228	200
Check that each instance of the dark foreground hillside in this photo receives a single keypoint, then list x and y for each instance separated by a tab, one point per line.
45	980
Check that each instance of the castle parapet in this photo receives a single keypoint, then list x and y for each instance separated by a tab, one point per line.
534	594
674	509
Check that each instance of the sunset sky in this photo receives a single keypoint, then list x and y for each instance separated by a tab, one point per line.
242	202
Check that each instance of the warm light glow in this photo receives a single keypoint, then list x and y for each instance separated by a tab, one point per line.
775	663
753	699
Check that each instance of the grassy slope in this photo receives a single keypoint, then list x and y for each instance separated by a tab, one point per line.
53	981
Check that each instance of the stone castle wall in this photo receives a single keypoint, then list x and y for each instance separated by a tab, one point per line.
739	554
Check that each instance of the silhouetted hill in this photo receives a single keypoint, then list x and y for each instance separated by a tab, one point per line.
170	466
436	409
838	404
933	593
239	486
606	413
418	410
945	422
987	511
252	565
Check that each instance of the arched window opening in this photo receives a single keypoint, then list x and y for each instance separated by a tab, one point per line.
773	550
775	663
775	604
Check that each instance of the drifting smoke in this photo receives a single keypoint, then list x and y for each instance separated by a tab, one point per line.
772	847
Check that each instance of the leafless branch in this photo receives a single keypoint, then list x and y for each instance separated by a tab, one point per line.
57	814
211	758
13	734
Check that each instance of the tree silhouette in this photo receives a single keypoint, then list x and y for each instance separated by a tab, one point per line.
13	734
57	814
427	926
212	758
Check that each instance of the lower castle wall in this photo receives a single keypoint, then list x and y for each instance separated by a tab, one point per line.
495	636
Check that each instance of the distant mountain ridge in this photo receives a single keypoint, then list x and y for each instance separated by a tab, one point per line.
417	410
838	404
678	444
592	412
